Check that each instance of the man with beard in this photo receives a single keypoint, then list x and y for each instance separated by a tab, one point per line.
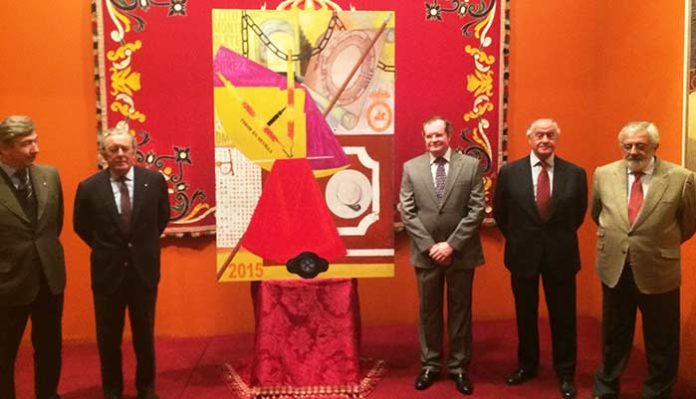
644	208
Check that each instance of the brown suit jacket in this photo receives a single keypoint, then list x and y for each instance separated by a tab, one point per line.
26	249
666	219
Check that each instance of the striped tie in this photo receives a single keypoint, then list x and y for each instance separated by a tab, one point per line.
26	193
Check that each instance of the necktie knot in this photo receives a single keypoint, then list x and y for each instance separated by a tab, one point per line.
440	161
22	175
543	164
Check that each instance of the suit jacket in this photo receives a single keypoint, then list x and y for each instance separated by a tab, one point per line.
97	222
666	219
27	249
455	220
528	239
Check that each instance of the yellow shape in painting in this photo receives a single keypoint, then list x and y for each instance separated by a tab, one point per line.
246	113
246	266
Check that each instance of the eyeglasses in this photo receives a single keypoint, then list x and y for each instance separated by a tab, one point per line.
637	146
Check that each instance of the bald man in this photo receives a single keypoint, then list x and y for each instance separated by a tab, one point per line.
539	204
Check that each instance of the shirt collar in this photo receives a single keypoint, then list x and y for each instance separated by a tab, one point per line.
649	170
129	175
446	157
534	159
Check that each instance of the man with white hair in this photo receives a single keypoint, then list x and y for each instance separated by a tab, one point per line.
120	213
539	203
644	208
32	265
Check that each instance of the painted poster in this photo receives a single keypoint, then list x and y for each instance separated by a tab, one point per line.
157	75
304	123
690	132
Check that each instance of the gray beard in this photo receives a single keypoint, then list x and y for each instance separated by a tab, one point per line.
635	165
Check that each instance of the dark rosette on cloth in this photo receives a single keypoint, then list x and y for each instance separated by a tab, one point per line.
307	265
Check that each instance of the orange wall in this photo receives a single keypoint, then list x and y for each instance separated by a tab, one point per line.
591	65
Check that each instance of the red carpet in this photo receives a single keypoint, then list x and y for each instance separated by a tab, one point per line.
188	368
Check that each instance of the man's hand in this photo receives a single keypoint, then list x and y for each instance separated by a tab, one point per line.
441	253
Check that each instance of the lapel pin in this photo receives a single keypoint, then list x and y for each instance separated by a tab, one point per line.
145	184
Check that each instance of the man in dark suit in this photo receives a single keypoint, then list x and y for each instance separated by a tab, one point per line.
442	205
32	265
120	213
644	208
539	204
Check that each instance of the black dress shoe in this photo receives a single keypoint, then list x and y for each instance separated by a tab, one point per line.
463	383
568	390
426	378
520	376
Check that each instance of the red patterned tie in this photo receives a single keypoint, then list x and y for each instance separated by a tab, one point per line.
543	192
636	199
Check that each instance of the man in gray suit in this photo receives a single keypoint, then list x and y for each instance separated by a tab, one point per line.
442	205
32	266
644	208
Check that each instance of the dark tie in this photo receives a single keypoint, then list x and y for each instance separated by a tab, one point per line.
26	193
543	192
440	178
125	203
635	201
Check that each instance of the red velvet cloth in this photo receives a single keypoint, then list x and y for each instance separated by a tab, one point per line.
307	333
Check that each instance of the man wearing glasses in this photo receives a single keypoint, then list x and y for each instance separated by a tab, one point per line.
644	208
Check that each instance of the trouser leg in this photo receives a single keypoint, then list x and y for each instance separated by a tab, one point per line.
526	293
13	321
661	325
109	311
560	302
430	293
618	324
46	337
141	311
459	292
